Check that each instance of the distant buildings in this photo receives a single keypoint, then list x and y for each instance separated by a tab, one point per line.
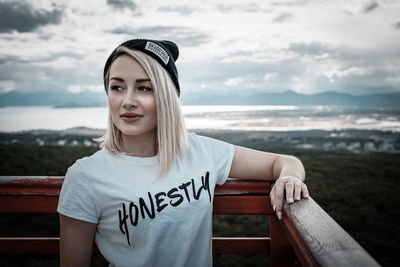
358	147
42	141
357	142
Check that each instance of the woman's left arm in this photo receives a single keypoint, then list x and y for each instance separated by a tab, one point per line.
287	171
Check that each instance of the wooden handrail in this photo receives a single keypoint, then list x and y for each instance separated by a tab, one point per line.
306	232
307	225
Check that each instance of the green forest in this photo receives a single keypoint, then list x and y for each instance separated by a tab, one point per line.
359	191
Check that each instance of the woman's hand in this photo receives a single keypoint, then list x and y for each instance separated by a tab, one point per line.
250	164
292	189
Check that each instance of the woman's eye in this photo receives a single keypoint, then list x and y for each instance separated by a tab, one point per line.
145	89
116	87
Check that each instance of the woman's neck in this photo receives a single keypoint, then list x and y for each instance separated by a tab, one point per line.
139	146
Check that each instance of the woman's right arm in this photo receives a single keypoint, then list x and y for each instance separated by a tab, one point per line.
76	242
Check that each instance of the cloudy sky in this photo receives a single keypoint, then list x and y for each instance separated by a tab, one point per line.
227	46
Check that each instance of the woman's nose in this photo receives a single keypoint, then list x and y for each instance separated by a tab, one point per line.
130	99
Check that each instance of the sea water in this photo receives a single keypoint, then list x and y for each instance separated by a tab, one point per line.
252	118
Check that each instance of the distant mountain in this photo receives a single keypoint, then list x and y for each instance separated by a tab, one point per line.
83	105
63	99
57	99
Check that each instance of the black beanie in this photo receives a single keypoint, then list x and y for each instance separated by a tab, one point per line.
165	52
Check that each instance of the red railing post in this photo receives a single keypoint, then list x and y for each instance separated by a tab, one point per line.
281	252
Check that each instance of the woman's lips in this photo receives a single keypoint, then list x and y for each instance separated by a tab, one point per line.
130	117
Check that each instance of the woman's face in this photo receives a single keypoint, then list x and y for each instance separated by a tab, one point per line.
131	98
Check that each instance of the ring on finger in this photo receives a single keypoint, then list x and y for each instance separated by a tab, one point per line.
287	180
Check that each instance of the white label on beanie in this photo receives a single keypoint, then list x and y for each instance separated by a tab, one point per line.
158	50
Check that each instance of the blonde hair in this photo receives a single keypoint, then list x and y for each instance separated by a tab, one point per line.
171	131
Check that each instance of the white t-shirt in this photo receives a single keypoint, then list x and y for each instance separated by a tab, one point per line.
142	221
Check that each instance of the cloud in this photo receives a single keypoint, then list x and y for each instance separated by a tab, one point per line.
340	73
283	49
290	3
82	88
370	5
309	67
311	49
181	35
345	69
241	7
59	63
7	86
244	78
22	17
5	59
225	8
52	72
365	6
234	81
269	77
183	10
282	17
122	4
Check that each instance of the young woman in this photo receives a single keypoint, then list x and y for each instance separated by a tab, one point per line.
146	196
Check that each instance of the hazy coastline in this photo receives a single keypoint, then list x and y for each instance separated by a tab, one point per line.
219	117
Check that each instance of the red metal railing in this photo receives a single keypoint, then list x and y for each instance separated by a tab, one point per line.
306	233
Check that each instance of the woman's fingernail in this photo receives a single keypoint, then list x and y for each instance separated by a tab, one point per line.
279	215
306	195
298	198
290	200
274	207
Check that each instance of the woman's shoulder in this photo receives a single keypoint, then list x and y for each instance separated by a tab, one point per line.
194	137
92	160
89	167
95	156
206	143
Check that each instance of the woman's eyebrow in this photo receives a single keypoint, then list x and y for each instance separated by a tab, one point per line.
142	80
117	78
137	80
